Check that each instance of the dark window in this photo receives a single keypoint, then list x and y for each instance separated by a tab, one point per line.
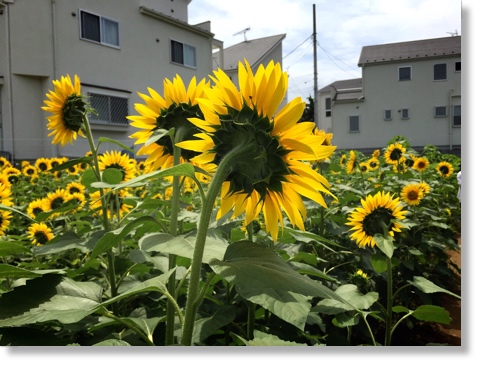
457	115
354	123
440	71
110	109
328	107
404	73
98	29
387	114
183	54
404	114
440	111
458	66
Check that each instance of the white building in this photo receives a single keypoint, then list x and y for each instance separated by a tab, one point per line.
116	47
411	89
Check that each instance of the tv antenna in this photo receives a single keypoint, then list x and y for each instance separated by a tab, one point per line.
453	34
244	33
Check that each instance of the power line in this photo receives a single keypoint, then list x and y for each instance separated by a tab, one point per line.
309	37
329	55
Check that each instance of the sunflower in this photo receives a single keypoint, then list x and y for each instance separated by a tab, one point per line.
395	154
75	187
412	194
5	217
160	115
55	200
37	206
13	174
120	161
343	159
79	198
6	195
267	173
421	164
400	168
30	171
4	163
444	168
352	163
68	109
73	170
373	163
40	233
376	154
424	187
377	211
43	164
327	139
364	167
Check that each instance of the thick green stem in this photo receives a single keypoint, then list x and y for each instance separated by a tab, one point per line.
172	259
223	169
388	316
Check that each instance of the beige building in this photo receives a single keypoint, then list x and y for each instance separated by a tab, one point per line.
411	89
116	47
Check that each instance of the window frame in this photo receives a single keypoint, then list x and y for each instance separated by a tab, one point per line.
110	97
438	115
328	107
435	78
184	46
350	123
102	36
454	115
385	117
410	73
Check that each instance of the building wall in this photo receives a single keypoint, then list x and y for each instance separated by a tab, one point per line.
382	90
43	38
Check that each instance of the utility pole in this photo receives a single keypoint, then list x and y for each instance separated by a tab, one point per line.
315	83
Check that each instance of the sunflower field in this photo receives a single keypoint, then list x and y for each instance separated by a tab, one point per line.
234	225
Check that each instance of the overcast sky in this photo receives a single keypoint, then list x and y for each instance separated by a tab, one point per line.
343	27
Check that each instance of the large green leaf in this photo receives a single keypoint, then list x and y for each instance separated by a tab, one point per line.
292	307
427	313
265	339
8	248
112	342
68	241
252	266
351	299
206	327
13	272
428	287
49	298
215	246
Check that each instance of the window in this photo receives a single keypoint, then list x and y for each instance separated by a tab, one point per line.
328	107
458	66
440	71
354	121
440	111
183	54
110	109
99	29
387	114
404	114
457	115
404	73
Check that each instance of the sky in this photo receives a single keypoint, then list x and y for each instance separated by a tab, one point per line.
343	27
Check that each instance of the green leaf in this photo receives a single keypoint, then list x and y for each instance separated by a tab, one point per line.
349	294
379	262
114	141
206	327
8	248
432	313
68	241
13	272
265	339
71	163
385	244
185	169
112	176
427	286
112	342
49	298
215	246
111	239
159	133
293	308
249	265
88	178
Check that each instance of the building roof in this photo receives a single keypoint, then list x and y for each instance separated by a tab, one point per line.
345	89
427	48
251	50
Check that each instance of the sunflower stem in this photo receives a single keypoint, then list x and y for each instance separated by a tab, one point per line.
388	316
223	170
172	259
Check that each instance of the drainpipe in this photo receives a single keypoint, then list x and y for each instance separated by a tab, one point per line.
8	53
450	120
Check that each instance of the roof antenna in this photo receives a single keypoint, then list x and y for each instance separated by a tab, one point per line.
453	34
244	33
